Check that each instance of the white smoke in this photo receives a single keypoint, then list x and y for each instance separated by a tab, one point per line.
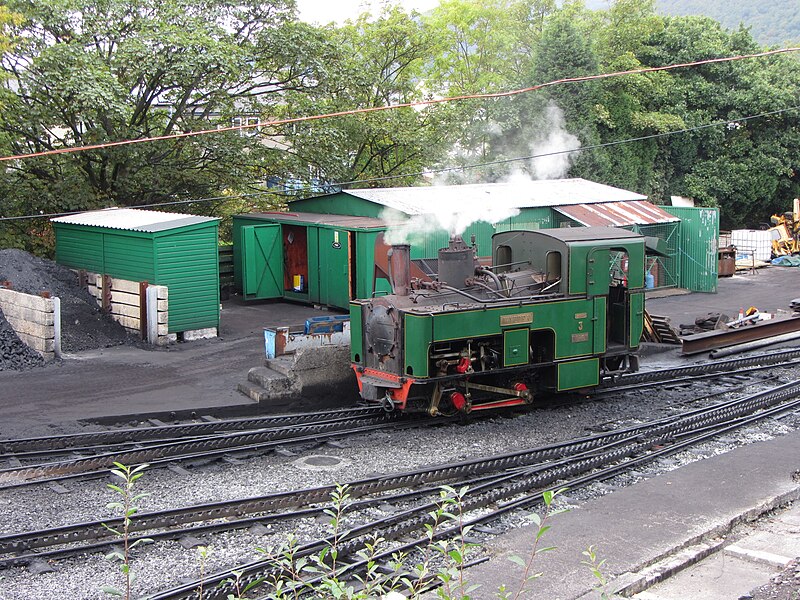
448	212
555	143
452	212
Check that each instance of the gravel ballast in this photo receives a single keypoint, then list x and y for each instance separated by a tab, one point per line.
167	563
83	325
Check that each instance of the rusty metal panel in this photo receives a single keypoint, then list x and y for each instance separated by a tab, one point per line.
616	214
721	338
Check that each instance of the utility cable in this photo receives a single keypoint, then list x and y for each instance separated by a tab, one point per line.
373	109
342	184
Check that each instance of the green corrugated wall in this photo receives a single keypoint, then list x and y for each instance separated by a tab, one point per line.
188	264
699	236
79	248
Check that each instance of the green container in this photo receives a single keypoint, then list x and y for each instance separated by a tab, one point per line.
698	239
178	251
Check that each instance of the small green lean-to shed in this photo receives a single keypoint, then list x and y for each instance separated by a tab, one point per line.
175	250
316	258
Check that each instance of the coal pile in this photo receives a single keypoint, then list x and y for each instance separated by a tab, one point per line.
83	325
15	355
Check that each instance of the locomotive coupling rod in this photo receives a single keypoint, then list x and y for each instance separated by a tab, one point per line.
526	394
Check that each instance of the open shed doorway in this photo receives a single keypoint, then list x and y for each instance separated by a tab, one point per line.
295	257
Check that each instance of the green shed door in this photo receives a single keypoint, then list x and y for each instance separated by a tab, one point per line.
334	274
262	257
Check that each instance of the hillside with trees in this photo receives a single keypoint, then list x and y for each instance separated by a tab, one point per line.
96	72
770	23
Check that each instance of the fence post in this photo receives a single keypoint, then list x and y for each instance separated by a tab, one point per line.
143	320
151	292
57	327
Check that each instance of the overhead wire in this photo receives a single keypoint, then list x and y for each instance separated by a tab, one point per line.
339	185
372	109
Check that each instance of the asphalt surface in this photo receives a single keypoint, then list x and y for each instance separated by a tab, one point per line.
199	376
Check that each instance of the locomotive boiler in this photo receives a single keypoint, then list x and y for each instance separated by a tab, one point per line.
557	310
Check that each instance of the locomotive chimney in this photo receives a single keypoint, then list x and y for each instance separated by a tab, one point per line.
400	268
457	263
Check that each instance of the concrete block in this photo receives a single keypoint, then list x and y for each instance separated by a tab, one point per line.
125	310
126	321
199	334
163	316
32	329
41	345
122	285
14	311
118	297
25	300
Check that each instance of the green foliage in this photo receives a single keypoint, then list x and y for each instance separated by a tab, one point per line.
127	507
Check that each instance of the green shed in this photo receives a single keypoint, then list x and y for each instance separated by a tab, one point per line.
318	258
174	250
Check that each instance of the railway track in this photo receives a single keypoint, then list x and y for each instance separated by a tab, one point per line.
55	459
501	483
205	447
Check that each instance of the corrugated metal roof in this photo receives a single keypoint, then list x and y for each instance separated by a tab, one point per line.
133	219
343	221
528	194
617	214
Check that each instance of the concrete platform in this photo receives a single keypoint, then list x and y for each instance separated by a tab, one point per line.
637	526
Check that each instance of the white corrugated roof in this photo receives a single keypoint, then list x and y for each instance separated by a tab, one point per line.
528	194
133	219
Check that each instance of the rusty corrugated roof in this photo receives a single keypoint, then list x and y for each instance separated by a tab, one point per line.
617	214
343	221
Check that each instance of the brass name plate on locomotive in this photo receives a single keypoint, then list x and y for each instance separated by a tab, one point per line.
580	337
581	315
520	319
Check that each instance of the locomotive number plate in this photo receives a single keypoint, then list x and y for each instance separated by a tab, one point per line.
519	319
580	337
580	315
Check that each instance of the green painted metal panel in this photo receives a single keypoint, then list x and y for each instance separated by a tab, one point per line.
356	337
79	247
579	254
262	261
636	318
597	274
187	262
698	239
515	347
338	204
573	335
578	374
334	275
599	324
364	264
418	336
313	265
129	257
529	219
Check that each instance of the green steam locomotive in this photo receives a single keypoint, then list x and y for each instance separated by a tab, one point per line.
557	310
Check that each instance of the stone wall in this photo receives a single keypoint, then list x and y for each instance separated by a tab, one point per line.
36	320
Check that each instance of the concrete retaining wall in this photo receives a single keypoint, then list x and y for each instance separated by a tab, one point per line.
129	301
36	320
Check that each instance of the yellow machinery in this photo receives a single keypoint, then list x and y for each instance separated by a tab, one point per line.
786	232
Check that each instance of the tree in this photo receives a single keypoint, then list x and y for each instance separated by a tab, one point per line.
371	63
91	71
